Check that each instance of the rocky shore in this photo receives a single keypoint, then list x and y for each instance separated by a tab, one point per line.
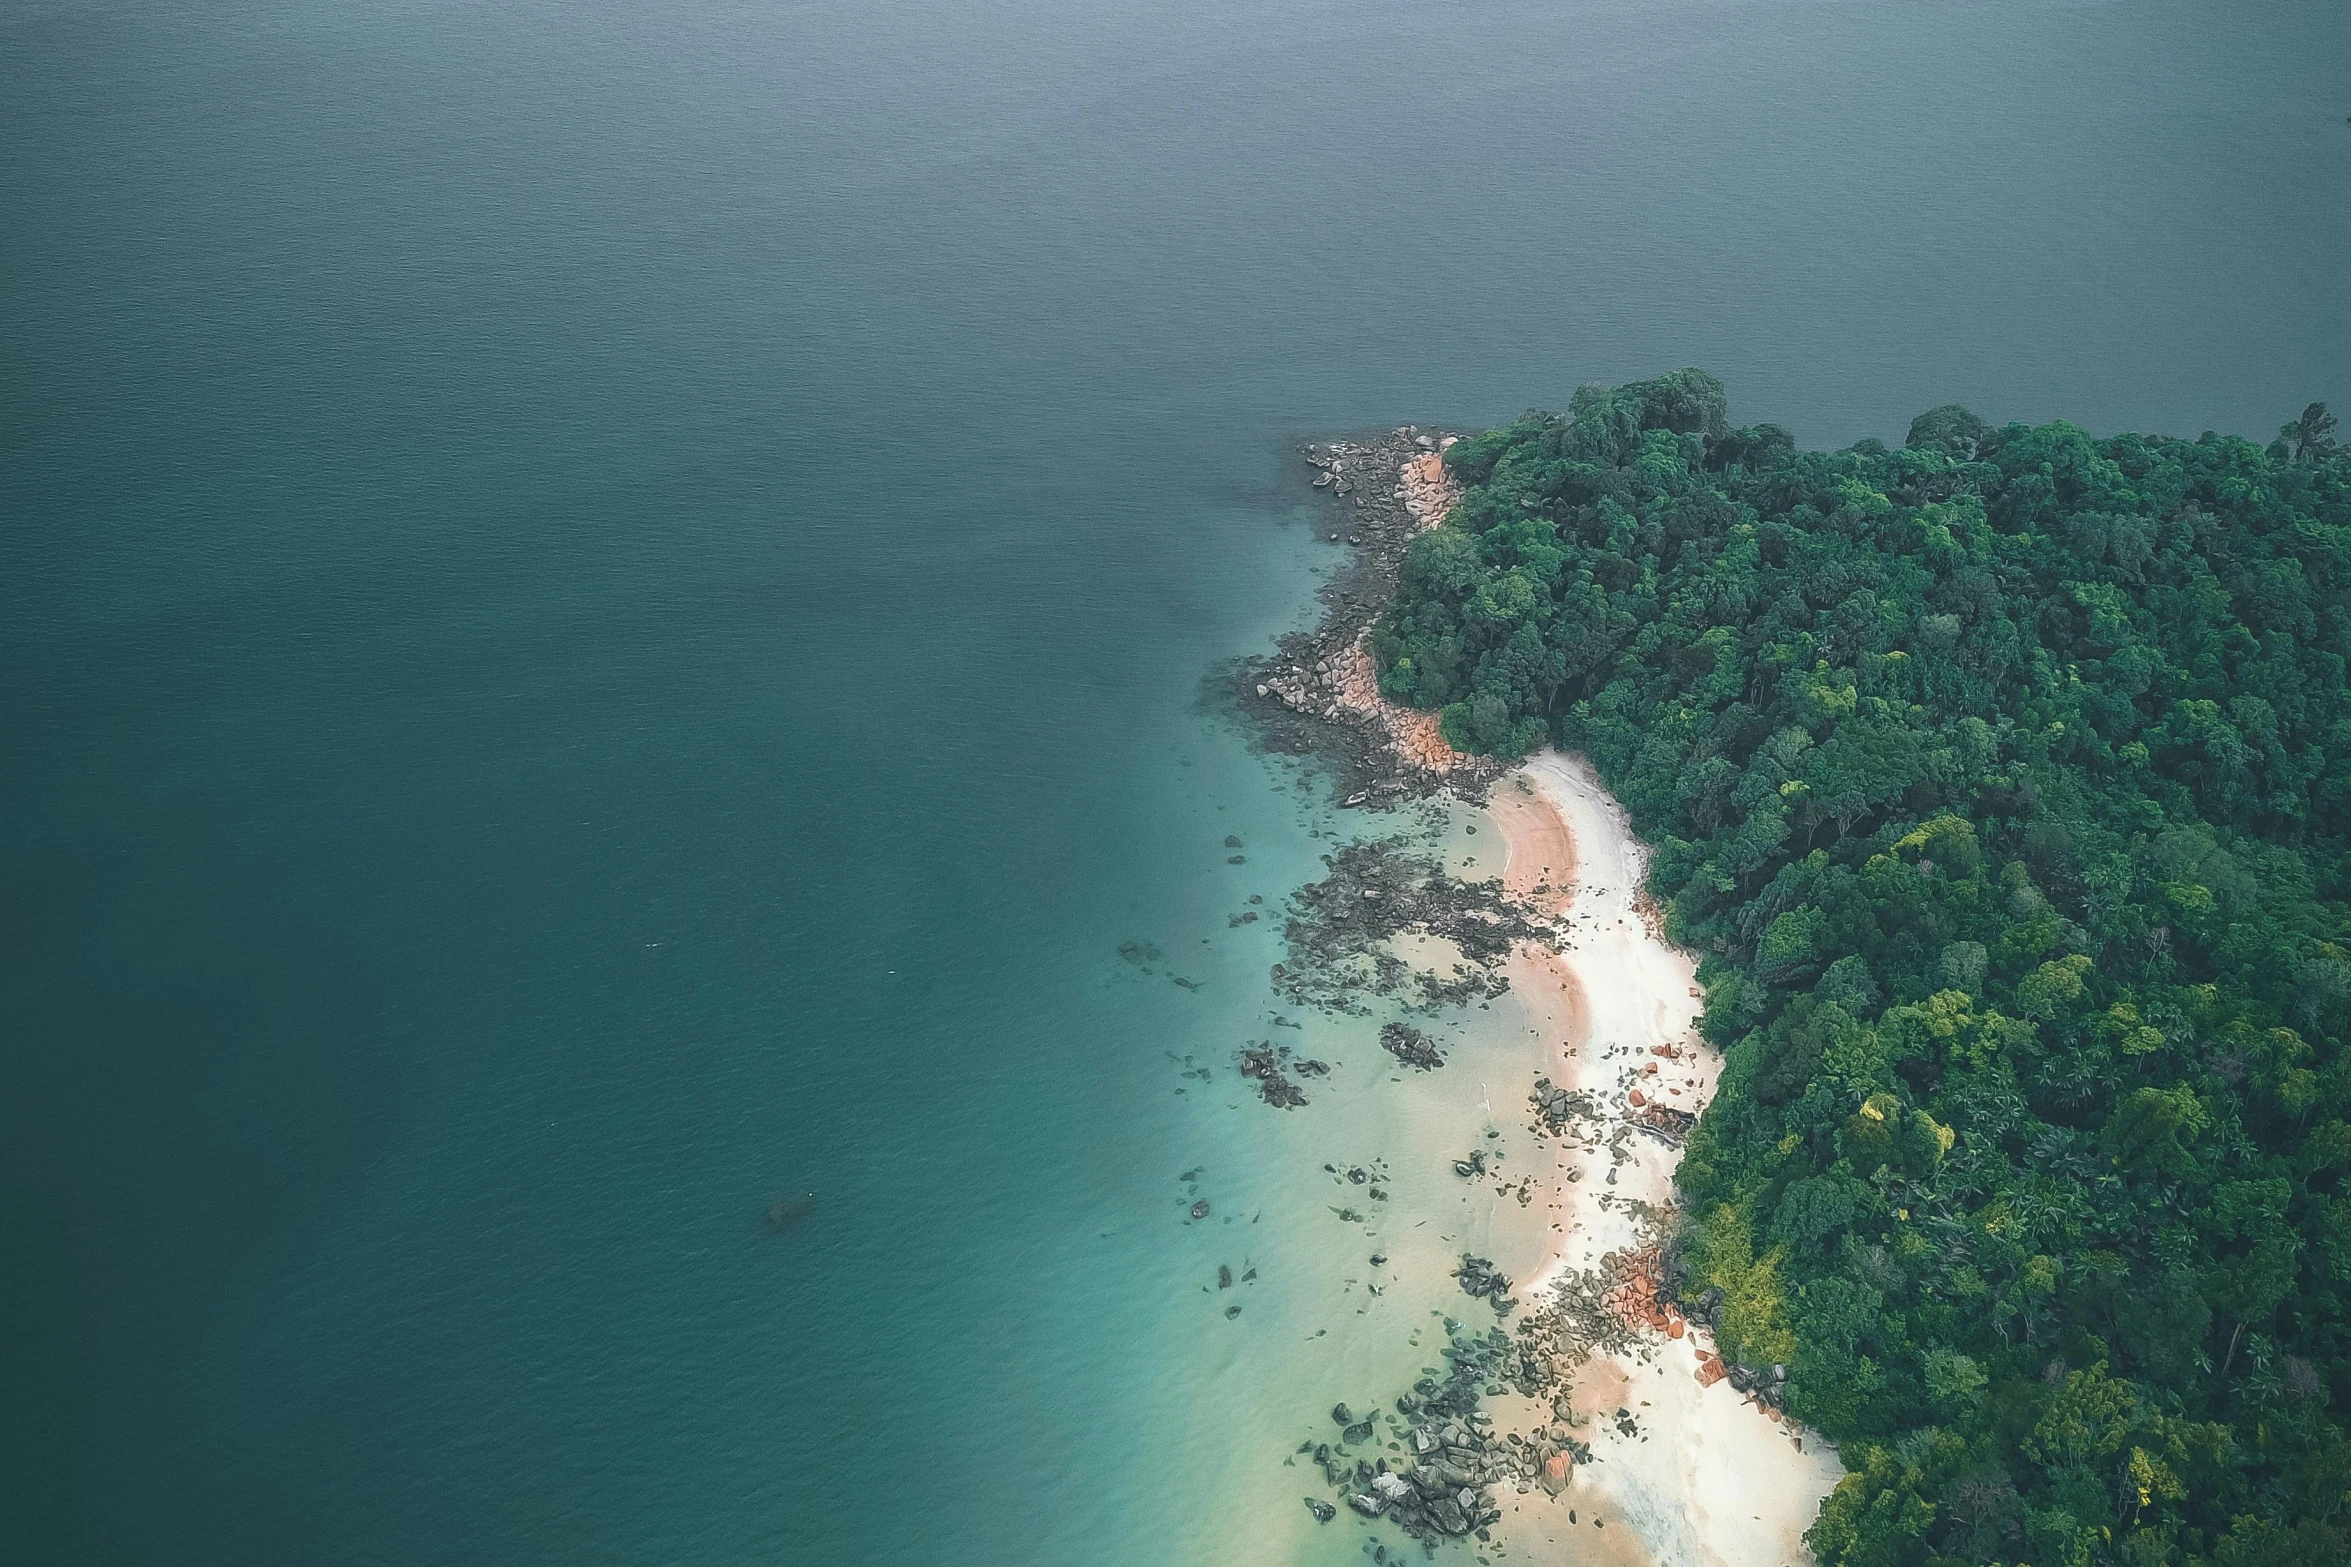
1318	692
1442	1466
1696	1471
1338	932
1570	1357
1431	1467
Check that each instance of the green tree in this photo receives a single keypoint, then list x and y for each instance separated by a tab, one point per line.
2003	784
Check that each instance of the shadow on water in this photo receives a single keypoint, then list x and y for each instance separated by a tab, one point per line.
785	1212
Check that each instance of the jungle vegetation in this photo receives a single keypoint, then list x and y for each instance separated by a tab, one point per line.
2003	782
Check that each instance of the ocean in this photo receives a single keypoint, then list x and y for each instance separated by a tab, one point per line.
609	618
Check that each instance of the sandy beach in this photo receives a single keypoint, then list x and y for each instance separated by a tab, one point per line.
1681	1472
1709	1479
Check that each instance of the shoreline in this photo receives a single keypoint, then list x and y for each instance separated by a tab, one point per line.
1615	1451
1710	1477
1318	693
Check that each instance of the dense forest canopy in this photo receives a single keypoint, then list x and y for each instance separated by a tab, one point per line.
2003	782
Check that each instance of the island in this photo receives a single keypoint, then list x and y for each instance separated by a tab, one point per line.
1961	833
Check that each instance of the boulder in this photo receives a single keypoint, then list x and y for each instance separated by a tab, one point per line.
1479	1278
1410	1046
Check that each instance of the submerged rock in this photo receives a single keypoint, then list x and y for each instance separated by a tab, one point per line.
785	1212
1338	930
1479	1277
1410	1046
1264	1065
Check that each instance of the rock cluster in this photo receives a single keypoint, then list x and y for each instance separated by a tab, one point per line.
1639	1296
1661	1121
1704	1308
1481	1279
1767	1385
1410	1046
1343	686
1557	1108
1337	929
1443	1458
1320	692
1264	1065
1428	1502
1440	1486
1574	1321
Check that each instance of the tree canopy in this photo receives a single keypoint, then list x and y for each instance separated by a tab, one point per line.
2003	783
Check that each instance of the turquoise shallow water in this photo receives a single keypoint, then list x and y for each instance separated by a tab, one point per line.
604	608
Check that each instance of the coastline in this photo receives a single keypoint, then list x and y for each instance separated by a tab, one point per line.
1610	1446
1711	1477
1318	692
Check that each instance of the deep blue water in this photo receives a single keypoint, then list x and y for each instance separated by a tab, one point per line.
603	617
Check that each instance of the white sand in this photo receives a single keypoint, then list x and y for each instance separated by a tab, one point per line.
1711	1481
